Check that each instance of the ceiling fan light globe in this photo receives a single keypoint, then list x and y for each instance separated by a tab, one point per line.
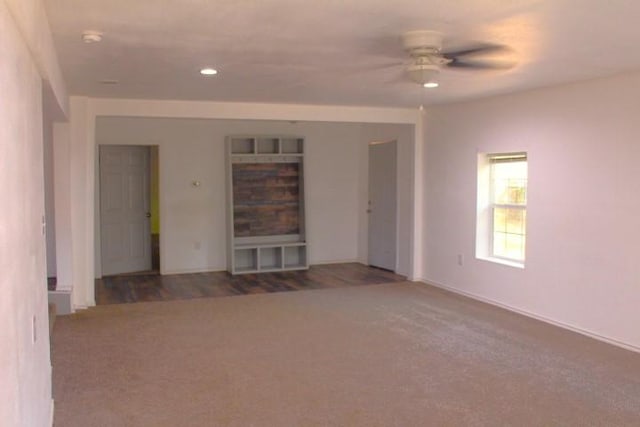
423	73
208	71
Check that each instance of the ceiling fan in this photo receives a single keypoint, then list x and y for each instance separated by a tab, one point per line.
427	58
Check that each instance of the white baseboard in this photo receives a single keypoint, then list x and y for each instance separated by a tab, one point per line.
62	301
192	270
560	324
336	261
52	412
219	269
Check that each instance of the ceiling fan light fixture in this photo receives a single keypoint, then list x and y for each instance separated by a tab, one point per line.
423	73
91	36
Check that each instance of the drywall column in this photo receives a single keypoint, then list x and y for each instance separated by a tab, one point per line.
82	154
417	243
25	367
30	17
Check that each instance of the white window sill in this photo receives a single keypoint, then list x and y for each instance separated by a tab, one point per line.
502	261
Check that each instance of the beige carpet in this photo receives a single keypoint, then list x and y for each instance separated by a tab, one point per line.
384	355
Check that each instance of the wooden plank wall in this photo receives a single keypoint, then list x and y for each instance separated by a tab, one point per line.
266	199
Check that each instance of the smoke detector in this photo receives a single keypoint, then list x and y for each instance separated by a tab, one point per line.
91	36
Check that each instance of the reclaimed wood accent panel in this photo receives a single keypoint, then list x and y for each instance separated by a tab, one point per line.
266	199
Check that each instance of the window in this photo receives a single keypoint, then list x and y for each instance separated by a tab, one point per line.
502	207
509	205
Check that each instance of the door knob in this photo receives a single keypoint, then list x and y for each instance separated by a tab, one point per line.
148	214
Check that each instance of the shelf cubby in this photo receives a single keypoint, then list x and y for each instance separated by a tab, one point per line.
271	258
245	259
291	145
295	256
243	146
268	145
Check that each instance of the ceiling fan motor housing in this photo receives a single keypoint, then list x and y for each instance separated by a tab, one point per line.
422	42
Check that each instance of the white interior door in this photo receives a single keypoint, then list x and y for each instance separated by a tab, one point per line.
125	229
382	205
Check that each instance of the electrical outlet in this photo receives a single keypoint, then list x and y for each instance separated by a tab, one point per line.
197	245
460	259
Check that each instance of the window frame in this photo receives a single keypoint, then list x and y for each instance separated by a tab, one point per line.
493	159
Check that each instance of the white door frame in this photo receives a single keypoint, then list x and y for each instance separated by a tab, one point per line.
98	212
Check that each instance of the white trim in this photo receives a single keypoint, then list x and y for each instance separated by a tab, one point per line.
251	111
337	261
224	269
418	211
526	313
193	270
51	415
503	261
492	256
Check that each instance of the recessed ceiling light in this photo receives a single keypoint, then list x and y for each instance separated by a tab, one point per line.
91	36
431	85
208	71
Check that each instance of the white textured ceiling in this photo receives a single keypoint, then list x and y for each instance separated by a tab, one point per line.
331	51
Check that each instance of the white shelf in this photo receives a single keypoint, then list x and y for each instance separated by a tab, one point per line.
266	145
268	245
262	258
257	253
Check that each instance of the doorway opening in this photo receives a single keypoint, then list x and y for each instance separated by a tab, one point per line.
154	188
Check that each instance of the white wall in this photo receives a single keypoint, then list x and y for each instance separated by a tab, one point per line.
192	149
25	374
583	234
31	20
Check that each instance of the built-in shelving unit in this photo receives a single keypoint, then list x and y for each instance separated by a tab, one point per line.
266	217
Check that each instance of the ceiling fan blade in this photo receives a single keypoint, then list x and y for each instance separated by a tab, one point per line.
476	50
480	65
380	66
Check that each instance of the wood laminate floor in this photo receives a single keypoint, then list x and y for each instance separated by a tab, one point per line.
154	287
